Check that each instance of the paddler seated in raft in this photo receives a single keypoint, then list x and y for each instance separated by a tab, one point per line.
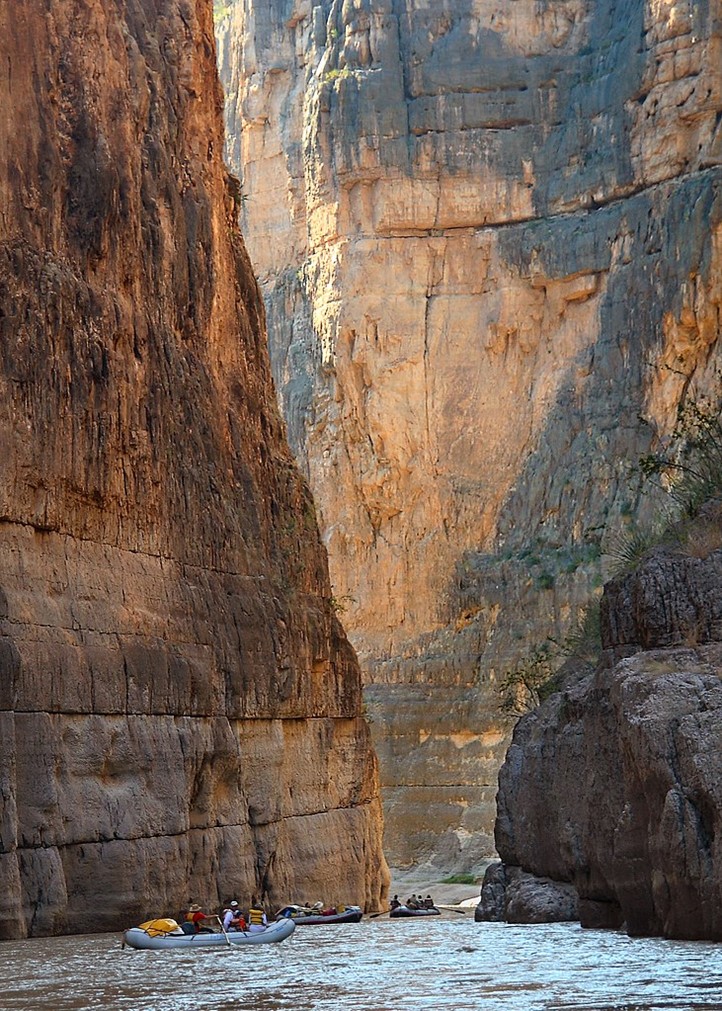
257	919
395	902
193	919
233	918
412	902
428	902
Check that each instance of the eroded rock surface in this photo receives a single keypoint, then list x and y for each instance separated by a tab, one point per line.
488	236
615	785
180	710
510	895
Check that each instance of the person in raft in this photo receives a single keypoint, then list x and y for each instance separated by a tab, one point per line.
257	920
395	902
193	920
232	917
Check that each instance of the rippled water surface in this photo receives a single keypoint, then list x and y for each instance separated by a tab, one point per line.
377	965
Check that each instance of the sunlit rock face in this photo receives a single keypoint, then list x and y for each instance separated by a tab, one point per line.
488	236
180	711
615	784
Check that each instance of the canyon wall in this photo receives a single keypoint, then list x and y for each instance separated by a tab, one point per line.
180	711
615	784
489	240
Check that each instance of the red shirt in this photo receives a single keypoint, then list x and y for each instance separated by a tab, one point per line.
195	918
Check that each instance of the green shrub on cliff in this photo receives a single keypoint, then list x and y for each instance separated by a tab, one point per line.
688	471
526	685
221	9
338	75
626	548
689	467
582	645
543	671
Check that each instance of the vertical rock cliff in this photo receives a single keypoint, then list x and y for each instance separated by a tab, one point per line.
488	236
615	784
180	711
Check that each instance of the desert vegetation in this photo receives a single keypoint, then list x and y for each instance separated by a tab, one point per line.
686	474
549	664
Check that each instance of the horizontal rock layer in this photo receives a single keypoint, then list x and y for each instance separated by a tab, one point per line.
181	711
488	237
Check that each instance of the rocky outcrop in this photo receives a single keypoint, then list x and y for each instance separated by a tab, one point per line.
180	711
510	895
488	237
615	785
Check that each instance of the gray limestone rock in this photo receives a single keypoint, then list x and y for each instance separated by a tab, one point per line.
540	900
492	900
511	895
615	784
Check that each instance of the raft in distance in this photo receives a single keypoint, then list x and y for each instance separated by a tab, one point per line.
302	915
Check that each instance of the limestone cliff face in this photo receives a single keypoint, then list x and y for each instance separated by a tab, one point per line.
615	785
489	238
180	710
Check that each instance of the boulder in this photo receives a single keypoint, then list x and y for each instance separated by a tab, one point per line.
509	894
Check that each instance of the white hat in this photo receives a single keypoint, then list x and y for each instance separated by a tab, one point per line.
234	904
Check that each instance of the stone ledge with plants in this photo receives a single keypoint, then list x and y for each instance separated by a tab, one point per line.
613	783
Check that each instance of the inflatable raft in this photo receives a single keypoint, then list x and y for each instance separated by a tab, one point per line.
157	934
404	911
301	915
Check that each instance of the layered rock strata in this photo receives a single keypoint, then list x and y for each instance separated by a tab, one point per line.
615	785
488	236
180	711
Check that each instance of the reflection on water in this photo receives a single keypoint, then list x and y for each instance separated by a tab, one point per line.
377	965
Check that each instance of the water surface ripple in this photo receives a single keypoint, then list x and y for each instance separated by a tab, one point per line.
377	965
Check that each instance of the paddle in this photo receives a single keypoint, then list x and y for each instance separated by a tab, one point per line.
228	940
451	909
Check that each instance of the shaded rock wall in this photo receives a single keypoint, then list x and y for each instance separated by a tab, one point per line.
180	709
510	895
488	237
615	785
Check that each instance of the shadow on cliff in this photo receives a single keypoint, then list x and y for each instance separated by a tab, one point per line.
579	479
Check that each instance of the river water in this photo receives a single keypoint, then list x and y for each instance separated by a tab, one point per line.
377	965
